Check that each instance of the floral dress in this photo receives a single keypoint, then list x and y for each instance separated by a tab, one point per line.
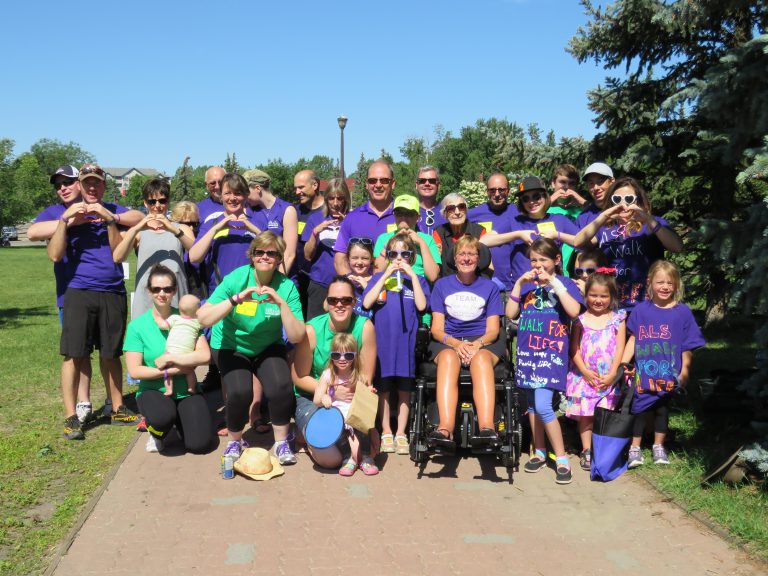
597	349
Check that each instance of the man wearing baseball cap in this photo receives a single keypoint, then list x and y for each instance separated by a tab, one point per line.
94	305
598	177
428	261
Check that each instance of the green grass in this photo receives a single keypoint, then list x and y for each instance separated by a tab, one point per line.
45	479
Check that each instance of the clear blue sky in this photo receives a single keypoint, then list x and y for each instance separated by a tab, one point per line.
145	83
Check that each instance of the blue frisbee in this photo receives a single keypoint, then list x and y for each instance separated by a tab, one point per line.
324	427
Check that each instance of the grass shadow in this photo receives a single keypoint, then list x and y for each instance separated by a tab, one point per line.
15	317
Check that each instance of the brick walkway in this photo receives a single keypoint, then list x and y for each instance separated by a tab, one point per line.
172	514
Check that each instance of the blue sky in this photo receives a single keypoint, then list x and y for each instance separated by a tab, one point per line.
145	83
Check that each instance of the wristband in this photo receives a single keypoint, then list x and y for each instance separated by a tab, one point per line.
117	218
514	298
165	373
237	298
557	286
445	339
109	222
558	237
652	231
179	234
65	220
232	301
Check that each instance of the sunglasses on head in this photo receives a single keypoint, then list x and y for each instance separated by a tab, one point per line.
426	180
384	181
361	240
165	289
404	254
535	197
336	300
625	199
583	271
269	253
153	201
453	207
348	356
91	170
64	182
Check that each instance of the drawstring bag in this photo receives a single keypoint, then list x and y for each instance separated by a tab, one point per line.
612	433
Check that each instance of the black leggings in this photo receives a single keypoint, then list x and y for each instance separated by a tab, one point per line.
271	369
190	416
660	410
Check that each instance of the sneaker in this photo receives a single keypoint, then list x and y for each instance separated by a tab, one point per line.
283	452
291	439
72	430
154	444
124	417
83	411
535	464
585	460
107	410
635	457
659	454
563	475
387	443
235	448
142	425
401	446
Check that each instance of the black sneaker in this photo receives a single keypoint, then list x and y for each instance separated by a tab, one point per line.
585	460
124	417
535	464
563	475
72	429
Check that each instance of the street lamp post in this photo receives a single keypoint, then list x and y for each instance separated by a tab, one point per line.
342	123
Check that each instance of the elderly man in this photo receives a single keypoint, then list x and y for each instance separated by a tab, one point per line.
306	186
428	190
374	217
598	178
94	307
211	206
496	215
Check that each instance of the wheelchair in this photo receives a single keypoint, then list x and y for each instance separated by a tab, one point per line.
424	416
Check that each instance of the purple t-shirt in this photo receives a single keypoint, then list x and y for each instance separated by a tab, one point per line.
498	222
362	222
543	336
61	270
429	221
520	262
270	219
661	337
587	215
303	215
321	270
208	209
227	252
631	251
466	307
90	257
396	321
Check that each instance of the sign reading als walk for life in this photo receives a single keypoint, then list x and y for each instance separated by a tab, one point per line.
543	337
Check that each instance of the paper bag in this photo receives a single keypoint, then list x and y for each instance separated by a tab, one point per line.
362	411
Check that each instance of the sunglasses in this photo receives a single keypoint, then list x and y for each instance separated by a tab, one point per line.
361	240
405	254
403	213
384	181
626	199
161	201
91	170
430	217
348	356
165	289
453	207
535	197
497	190
467	255
268	253
426	180
583	271
191	224
343	300
64	182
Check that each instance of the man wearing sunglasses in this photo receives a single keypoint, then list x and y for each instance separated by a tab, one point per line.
372	218
94	306
496	217
211	207
598	177
428	189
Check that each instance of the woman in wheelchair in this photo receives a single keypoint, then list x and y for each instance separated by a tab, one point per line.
466	311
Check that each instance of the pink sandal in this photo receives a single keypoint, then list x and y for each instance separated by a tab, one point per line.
368	466
348	468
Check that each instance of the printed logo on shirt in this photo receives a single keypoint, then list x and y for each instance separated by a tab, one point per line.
273	224
223	233
271	310
465	306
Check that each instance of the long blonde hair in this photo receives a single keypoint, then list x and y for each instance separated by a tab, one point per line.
345	342
672	271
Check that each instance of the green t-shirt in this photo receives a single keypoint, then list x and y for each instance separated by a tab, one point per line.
418	265
567	251
251	327
145	336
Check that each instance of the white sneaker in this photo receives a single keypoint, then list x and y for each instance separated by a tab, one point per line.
154	444
107	411
83	410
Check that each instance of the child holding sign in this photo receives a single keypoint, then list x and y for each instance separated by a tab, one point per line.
546	302
663	335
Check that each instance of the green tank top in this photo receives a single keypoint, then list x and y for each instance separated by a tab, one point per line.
323	337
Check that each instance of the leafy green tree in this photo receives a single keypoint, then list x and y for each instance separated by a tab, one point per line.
324	166
133	196
281	178
51	154
6	181
32	190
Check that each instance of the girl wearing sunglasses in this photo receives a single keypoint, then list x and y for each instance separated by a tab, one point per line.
631	237
156	240
397	296
343	372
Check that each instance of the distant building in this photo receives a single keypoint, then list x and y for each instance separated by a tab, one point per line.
122	176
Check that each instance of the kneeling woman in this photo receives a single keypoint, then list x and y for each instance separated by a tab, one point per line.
466	311
249	310
146	360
